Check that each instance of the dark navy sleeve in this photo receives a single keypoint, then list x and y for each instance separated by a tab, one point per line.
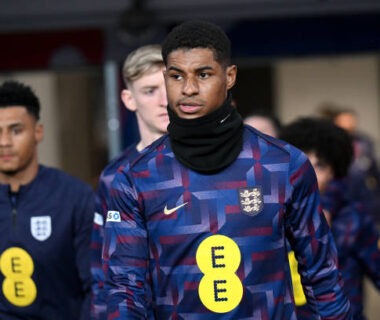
357	240
84	212
98	306
102	203
368	249
125	253
83	217
314	247
359	248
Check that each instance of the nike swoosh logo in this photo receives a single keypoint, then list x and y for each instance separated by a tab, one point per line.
170	211
221	121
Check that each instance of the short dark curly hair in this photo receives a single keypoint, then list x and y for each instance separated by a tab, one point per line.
13	93
198	34
329	142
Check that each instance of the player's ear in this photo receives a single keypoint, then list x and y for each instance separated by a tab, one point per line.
128	100
39	132
231	72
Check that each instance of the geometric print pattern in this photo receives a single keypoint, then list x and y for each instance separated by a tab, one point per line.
189	235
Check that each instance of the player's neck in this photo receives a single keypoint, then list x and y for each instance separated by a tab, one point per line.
147	139
22	177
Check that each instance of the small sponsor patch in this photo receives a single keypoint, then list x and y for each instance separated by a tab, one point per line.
251	200
113	216
98	219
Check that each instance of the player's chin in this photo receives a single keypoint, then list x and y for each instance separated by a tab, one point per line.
8	169
164	118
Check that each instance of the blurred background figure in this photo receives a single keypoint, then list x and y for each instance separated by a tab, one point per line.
364	172
330	151
45	221
266	123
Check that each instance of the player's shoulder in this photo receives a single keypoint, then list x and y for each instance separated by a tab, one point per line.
51	176
269	142
161	146
124	157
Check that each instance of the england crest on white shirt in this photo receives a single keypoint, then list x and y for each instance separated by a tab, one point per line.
40	227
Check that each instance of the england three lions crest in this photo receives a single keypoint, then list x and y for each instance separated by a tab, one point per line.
251	200
40	227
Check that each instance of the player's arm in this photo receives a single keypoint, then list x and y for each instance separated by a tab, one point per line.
312	242
84	214
367	246
98	297
125	253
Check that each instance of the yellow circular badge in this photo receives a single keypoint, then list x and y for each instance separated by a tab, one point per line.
17	267
220	289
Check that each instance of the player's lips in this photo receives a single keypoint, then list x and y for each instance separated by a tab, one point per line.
189	107
163	117
6	157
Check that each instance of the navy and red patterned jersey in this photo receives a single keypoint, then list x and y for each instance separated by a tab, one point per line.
214	246
357	240
102	200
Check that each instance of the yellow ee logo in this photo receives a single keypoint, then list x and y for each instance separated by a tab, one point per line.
17	267
218	257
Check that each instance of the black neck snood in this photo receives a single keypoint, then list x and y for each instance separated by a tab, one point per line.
210	143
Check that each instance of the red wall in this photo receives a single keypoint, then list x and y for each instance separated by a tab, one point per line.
34	50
